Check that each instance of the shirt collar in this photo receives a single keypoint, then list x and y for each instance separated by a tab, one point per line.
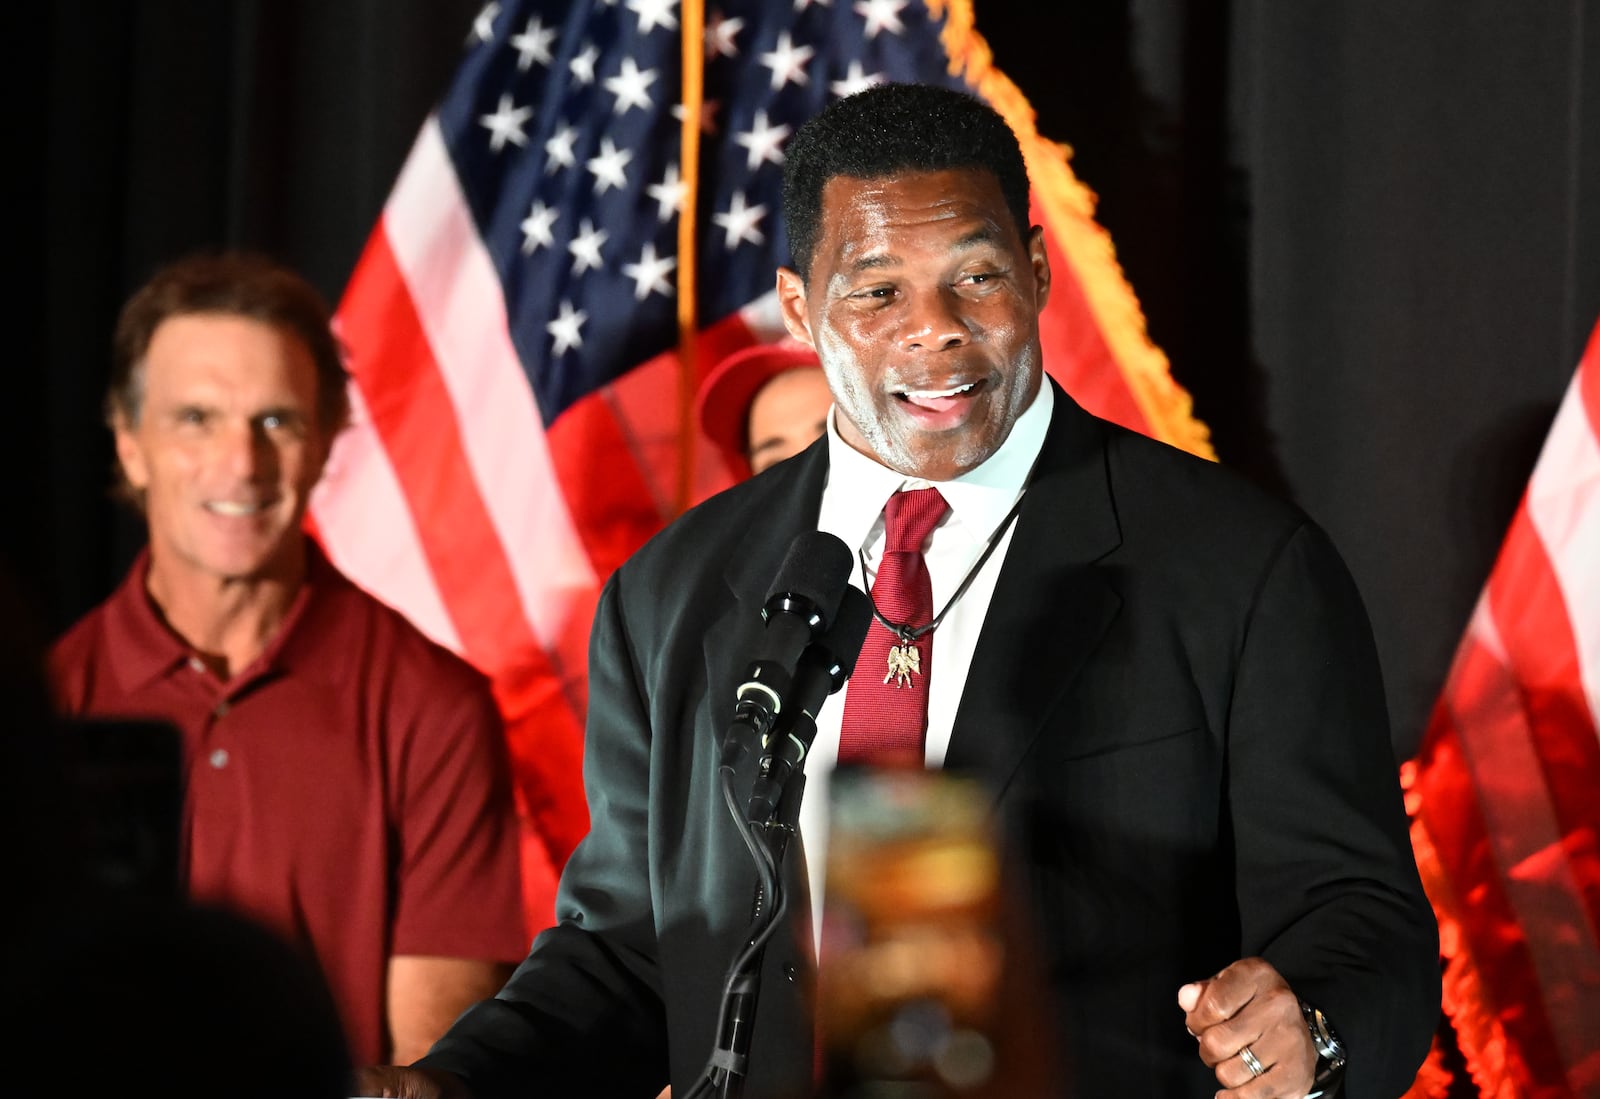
852	501
148	648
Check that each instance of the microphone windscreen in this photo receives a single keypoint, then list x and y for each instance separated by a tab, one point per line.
816	569
849	631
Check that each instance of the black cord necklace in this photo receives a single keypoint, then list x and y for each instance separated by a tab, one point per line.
905	659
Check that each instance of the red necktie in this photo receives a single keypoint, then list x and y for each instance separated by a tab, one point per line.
886	705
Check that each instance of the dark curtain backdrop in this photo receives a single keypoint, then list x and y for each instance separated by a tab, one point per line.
1366	234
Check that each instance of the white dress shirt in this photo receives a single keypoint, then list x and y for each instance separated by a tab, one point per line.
852	509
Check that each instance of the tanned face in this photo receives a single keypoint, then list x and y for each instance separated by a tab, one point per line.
923	305
226	450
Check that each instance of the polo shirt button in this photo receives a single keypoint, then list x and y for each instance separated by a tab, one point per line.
219	758
196	664
221	710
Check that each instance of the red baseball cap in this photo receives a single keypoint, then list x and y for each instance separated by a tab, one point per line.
725	395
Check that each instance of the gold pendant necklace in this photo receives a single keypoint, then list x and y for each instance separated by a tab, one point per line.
905	658
905	661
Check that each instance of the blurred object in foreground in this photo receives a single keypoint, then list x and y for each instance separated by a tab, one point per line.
128	778
928	984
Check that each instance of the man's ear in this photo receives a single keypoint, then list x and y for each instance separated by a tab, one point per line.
1040	259
792	306
129	453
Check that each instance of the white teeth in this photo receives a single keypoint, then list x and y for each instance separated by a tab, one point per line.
929	394
229	508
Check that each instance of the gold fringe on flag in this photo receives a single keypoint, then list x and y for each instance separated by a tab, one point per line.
1479	1035
1069	213
1434	1078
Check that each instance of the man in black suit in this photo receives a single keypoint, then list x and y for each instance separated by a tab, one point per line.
1167	678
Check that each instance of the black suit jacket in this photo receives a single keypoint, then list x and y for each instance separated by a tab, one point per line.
1176	698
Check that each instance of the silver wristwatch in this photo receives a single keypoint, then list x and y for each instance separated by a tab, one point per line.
1330	1050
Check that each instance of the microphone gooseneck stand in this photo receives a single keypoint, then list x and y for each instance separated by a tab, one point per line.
727	1067
772	816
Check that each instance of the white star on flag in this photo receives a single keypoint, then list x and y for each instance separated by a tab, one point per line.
533	44
741	222
607	167
649	274
483	24
763	141
881	15
708	115
630	86
669	194
787	62
582	64
536	228
720	32
505	124
586	246
653	14
558	149
567	328
855	80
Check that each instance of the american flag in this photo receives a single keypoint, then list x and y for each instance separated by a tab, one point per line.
522	370
1504	794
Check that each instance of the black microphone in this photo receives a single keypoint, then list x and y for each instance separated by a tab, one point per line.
824	667
800	606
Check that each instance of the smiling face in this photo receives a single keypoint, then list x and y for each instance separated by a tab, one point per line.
226	449
923	305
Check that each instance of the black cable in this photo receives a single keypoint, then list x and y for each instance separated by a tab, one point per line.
770	886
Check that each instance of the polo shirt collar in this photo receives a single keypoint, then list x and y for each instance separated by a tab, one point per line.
146	647
149	649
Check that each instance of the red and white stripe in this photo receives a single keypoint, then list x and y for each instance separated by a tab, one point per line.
449	500
1507	785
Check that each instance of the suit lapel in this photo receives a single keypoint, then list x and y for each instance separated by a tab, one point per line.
791	503
1051	606
788	505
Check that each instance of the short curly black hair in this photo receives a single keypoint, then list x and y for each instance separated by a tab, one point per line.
888	129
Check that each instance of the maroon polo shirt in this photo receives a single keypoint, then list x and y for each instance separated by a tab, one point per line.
350	788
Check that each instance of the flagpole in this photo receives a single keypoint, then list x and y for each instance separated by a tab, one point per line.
692	49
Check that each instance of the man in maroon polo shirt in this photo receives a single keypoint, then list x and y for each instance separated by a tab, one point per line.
346	781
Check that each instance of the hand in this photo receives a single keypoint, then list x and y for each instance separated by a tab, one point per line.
395	1082
1249	1006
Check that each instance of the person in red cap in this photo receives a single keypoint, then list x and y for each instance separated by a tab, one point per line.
763	404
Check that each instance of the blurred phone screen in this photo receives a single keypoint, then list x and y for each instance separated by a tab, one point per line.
926	986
